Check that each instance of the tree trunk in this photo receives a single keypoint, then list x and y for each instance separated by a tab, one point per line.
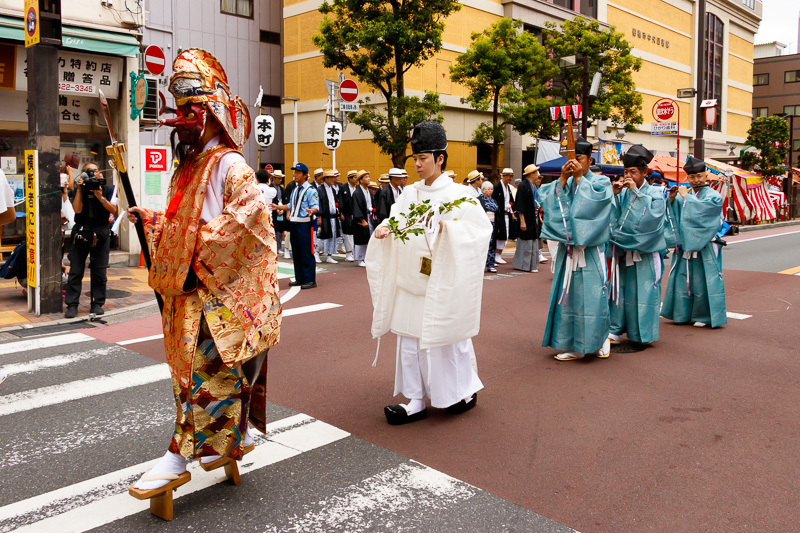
398	157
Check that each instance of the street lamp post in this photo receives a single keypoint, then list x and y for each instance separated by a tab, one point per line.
788	188
293	99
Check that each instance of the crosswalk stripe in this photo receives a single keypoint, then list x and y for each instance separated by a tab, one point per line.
30	345
81	506
141	339
379	498
54	362
75	390
738	316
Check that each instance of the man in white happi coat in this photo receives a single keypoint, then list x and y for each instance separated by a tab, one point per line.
427	290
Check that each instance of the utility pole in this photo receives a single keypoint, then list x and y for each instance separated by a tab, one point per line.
43	135
789	187
699	142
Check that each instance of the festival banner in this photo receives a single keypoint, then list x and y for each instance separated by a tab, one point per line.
577	111
565	111
554	113
610	153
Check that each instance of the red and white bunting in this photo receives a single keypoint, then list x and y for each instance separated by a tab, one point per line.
577	111
565	111
554	113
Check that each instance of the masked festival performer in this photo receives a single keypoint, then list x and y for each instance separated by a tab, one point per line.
577	214
214	263
637	240
696	287
428	289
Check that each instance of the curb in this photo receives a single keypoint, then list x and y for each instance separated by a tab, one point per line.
111	312
757	227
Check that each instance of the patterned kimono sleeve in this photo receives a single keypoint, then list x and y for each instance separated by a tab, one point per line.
153	222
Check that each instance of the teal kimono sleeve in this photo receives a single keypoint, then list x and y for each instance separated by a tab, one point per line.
554	198
701	218
641	223
591	211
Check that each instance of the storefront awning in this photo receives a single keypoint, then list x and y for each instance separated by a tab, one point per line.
75	38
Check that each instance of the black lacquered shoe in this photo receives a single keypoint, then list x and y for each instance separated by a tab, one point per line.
397	415
462	406
295	283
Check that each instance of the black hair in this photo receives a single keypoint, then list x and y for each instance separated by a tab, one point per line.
436	156
262	176
643	170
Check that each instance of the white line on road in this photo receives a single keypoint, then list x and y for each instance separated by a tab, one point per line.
379	498
75	390
764	237
286	312
141	339
30	345
738	316
54	362
309	309
82	507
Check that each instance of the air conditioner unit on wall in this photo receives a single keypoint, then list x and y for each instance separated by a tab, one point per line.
149	114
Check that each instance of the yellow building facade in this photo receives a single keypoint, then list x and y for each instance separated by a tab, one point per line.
660	31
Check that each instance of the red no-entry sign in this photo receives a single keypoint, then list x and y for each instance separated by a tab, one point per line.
348	90
154	60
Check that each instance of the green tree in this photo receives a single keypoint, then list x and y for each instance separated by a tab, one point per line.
378	42
505	70
608	53
770	135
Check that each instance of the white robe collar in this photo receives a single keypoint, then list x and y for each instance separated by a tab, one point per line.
438	184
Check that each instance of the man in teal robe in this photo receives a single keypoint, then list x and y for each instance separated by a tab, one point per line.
637	238
696	287
577	214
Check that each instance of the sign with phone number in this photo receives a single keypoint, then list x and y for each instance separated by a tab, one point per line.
76	88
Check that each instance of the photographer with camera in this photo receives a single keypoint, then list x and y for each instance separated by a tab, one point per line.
94	208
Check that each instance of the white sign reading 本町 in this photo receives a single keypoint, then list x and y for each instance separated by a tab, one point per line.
332	136
264	130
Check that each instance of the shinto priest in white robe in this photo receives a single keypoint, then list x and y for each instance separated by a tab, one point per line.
434	317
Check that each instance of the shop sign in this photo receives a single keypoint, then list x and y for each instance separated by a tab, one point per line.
80	74
8	66
155	160
639	34
32	36
664	128
31	206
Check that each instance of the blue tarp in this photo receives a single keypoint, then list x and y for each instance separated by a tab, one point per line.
554	166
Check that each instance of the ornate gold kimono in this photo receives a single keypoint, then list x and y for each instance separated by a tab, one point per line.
232	288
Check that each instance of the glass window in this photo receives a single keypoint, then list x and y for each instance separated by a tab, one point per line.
760	112
563	3
791	76
241	8
760	79
791	109
712	86
589	8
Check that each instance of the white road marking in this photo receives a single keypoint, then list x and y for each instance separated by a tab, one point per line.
82	506
379	498
309	309
738	316
141	339
76	390
286	312
30	345
291	293
764	237
54	362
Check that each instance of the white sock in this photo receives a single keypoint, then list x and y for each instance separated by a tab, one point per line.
248	437
171	463
209	459
415	406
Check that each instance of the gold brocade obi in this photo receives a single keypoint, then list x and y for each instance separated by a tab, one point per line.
175	240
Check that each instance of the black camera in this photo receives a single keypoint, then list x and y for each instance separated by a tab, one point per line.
91	182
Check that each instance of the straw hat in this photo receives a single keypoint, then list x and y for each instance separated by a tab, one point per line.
318	171
530	169
474	176
507	171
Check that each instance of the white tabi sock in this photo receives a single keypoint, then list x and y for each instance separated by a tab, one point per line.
415	406
171	463
248	437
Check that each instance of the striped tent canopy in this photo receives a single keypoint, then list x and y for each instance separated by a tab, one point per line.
749	193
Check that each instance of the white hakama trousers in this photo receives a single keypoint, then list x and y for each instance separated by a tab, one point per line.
328	246
348	242
444	374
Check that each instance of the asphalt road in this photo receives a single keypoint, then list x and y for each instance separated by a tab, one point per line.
764	251
697	433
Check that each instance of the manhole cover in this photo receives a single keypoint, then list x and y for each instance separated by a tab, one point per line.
112	294
628	347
